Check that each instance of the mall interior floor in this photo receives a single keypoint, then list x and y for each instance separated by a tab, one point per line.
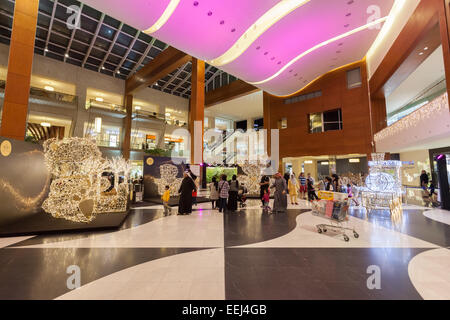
243	255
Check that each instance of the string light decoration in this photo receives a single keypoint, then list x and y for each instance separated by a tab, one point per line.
168	173
78	191
414	119
253	173
383	185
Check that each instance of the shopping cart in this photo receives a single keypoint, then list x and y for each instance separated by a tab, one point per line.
337	213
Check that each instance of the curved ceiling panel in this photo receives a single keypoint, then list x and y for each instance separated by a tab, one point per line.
141	14
208	28
310	25
271	43
323	60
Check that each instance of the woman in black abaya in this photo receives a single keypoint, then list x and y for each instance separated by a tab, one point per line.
186	188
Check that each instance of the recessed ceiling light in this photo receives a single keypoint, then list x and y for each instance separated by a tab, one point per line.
45	124
420	53
426	48
99	99
49	88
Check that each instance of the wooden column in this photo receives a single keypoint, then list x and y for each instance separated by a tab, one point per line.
197	110
379	116
444	23
127	127
21	51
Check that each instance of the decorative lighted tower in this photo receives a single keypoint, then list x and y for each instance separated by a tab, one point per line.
384	175
383	185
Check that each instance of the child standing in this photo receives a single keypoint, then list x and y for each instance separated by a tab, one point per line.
165	198
266	199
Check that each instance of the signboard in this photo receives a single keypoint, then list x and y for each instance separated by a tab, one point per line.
333	196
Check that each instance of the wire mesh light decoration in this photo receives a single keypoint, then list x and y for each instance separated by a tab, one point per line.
253	173
168	173
79	191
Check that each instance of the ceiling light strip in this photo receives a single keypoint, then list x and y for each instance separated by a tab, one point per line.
320	45
275	14
397	8
173	4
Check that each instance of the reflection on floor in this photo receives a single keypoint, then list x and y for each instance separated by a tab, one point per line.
243	255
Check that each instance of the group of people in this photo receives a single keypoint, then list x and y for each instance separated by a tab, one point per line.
303	186
280	193
224	194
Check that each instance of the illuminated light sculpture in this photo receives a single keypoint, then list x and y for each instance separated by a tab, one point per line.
414	119
253	173
383	185
78	191
168	173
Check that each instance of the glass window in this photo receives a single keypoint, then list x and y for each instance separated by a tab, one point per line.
315	122
332	120
326	121
354	78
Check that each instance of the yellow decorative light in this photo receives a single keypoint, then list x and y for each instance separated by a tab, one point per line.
320	45
414	119
168	173
78	191
164	17
275	14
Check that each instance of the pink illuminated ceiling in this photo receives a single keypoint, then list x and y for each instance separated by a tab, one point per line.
302	43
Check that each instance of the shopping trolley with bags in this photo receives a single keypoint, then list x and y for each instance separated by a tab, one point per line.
337	213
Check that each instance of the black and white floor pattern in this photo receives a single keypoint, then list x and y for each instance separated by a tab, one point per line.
242	255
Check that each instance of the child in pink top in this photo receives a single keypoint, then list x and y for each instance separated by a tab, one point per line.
266	199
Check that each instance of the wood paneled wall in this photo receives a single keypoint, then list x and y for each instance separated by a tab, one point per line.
296	141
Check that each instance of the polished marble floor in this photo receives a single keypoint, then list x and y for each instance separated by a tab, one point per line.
243	255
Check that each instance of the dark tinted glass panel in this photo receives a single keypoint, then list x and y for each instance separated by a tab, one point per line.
331	116
331	126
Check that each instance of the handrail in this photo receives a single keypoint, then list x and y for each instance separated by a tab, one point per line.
50	95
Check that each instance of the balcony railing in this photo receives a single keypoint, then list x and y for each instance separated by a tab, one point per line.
47	95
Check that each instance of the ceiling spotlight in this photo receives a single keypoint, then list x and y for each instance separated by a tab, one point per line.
421	53
118	71
99	99
103	68
66	55
137	108
46	49
426	48
45	124
49	88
